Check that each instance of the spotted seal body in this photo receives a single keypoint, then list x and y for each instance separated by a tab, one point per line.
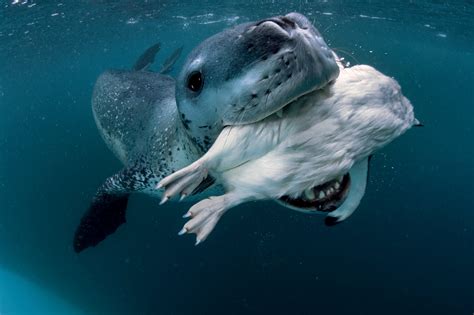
156	126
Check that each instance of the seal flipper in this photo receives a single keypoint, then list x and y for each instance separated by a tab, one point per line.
108	208
105	214
359	174
147	58
170	61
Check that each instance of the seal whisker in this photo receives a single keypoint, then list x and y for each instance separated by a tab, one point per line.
346	53
242	114
269	90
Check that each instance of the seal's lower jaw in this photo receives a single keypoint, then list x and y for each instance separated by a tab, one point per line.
339	197
326	197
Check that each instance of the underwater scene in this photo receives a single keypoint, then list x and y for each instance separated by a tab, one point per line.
101	100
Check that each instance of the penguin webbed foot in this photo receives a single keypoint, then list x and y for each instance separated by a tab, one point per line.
183	182
204	217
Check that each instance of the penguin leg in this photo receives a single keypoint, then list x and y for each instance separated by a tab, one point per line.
184	181
205	214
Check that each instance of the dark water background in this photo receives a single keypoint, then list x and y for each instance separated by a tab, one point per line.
408	249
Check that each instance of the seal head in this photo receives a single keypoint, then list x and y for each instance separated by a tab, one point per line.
249	72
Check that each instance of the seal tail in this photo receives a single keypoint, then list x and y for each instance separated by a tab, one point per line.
105	214
108	208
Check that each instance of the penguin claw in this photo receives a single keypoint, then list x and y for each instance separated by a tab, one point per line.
187	215
203	217
164	200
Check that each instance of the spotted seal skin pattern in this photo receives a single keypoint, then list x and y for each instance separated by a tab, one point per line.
137	116
156	126
138	119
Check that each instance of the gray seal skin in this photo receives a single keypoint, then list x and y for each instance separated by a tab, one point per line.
249	72
156	126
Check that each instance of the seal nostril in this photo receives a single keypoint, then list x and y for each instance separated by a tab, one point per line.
288	22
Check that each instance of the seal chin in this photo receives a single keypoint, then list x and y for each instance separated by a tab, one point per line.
339	197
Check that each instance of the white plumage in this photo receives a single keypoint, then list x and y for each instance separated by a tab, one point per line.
320	136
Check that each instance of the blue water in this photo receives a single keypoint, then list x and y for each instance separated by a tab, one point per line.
408	249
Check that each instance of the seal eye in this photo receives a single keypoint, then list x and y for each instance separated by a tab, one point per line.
195	81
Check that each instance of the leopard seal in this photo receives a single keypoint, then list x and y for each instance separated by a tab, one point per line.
157	125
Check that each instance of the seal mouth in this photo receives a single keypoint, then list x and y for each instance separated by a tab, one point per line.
326	197
281	24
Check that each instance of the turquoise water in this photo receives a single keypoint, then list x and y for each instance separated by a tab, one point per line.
408	249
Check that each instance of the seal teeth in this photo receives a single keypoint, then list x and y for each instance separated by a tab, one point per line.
309	193
321	195
279	113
